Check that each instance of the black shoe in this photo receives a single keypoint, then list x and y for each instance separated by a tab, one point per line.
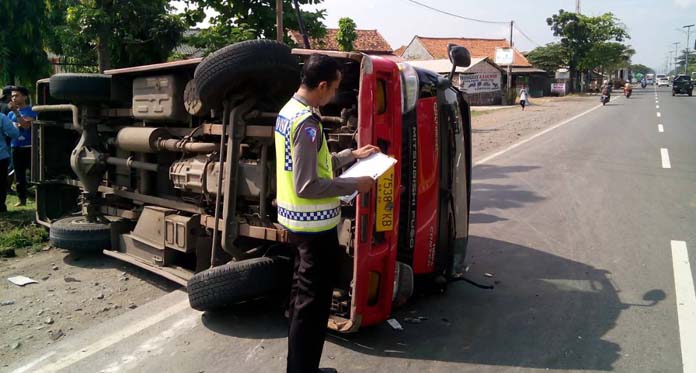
327	370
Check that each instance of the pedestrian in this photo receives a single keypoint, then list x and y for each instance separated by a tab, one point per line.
23	115
8	130
6	95
523	97
309	207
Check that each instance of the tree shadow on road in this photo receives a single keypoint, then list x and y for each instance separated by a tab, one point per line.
545	312
488	190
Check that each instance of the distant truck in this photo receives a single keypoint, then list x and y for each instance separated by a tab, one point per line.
682	84
650	79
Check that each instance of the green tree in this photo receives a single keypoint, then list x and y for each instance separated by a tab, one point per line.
118	33
638	68
580	34
238	20
22	55
549	57
346	34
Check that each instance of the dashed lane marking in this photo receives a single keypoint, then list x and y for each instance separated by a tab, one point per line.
686	304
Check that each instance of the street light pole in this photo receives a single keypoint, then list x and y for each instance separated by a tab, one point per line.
676	53
686	60
279	20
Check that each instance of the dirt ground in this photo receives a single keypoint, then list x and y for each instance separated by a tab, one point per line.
496	129
75	292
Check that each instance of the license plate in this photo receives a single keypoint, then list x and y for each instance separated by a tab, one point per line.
385	201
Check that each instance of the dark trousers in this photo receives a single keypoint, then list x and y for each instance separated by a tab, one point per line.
316	265
21	157
4	164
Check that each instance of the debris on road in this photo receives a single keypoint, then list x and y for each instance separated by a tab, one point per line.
15	345
49	320
415	320
21	280
54	266
7	303
395	324
488	274
55	335
70	279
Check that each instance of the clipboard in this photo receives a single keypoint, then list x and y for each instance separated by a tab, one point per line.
373	166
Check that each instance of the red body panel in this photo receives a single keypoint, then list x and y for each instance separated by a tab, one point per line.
428	187
376	252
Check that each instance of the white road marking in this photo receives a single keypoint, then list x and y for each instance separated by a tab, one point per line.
660	128
109	340
33	363
658	114
152	346
657	106
513	146
665	158
686	304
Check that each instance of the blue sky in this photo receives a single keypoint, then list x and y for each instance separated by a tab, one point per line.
653	25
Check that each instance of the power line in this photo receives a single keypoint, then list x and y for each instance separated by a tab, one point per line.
457	15
474	20
525	36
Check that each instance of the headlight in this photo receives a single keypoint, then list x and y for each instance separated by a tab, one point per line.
409	87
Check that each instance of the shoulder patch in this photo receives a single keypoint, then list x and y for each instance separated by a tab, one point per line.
311	133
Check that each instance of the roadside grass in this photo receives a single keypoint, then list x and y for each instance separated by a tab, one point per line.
475	114
18	230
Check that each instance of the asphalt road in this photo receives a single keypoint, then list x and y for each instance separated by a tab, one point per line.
582	228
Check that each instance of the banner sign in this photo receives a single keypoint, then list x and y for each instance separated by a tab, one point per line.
558	88
504	56
479	82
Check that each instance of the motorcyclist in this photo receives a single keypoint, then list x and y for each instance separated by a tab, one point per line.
606	89
643	83
628	89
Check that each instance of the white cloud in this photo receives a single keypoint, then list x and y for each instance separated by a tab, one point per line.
684	3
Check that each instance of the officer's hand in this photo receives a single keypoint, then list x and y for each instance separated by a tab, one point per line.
365	184
365	151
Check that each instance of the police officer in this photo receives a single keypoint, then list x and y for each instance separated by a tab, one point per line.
308	206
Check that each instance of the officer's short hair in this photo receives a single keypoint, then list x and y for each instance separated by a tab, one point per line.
319	68
21	90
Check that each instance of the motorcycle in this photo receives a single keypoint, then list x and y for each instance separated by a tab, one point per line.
627	92
643	84
604	99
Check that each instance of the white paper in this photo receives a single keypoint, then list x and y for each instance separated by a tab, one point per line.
373	166
21	280
394	324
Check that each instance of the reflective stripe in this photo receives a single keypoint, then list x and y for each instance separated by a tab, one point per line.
309	216
309	226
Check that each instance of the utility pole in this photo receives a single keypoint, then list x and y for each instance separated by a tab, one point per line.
676	67
577	6
279	20
686	60
509	67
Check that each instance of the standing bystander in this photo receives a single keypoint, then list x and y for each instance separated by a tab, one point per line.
523	97
23	115
8	130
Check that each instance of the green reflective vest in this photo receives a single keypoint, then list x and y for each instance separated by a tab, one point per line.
295	213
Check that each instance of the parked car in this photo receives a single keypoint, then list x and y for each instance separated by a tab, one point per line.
682	84
172	170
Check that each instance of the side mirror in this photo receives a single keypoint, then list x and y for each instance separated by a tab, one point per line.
459	57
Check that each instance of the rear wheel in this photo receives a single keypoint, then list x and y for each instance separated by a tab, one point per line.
78	234
237	282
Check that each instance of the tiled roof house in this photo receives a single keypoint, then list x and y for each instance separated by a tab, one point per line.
368	41
425	48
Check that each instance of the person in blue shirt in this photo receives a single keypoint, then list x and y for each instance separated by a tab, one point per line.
8	130
23	115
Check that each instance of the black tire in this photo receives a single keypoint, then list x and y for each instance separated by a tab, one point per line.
237	282
264	68
81	87
77	234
